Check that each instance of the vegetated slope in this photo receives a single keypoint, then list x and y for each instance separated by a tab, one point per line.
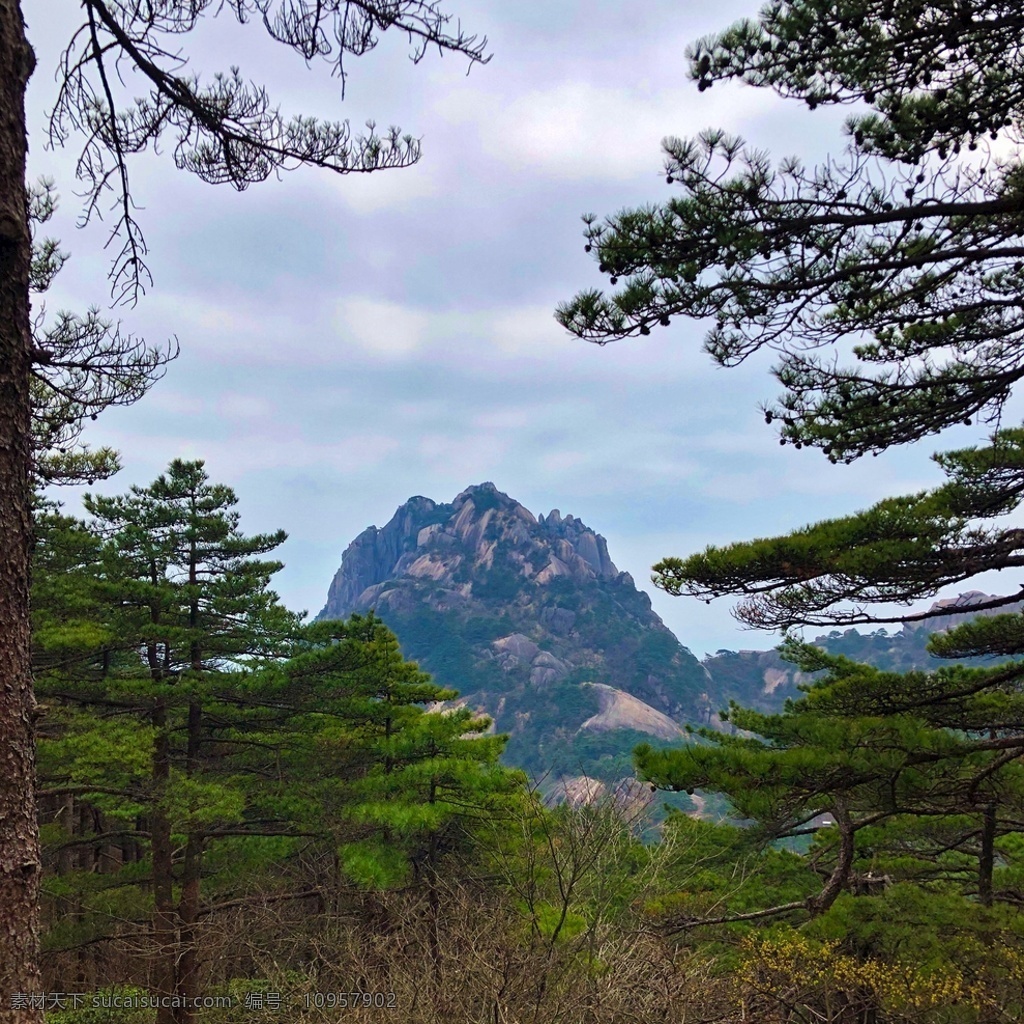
518	613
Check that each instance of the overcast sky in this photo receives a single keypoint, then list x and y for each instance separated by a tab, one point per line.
348	342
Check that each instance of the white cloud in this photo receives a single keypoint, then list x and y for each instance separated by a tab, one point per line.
530	331
165	400
235	320
509	418
234	406
368	194
229	458
581	130
385	329
564	461
471	458
324	334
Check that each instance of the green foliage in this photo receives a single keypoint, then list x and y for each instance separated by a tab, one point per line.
502	583
544	742
447	645
930	927
714	862
919	773
107	1006
148	620
203	739
895	243
556	925
602	756
418	781
374	864
914	772
900	549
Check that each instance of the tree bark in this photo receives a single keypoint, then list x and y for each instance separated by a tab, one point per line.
986	861
840	876
164	931
19	836
188	913
188	906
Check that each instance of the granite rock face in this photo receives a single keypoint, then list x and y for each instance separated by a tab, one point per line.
518	612
374	557
425	539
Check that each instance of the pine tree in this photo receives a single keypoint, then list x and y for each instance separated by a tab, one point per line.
225	130
412	777
899	550
918	774
182	607
907	246
407	784
905	252
190	714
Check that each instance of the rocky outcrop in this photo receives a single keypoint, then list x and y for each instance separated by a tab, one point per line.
573	540
759	679
425	539
375	556
623	711
516	612
530	620
958	610
628	797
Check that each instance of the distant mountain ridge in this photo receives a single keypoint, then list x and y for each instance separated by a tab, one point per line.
902	648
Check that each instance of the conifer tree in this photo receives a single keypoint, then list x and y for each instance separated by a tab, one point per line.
182	604
124	87
906	247
887	282
190	713
410	778
899	550
918	774
404	785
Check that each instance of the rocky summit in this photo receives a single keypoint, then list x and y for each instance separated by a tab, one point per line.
530	620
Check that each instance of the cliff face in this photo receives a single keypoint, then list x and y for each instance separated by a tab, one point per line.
517	612
374	557
456	545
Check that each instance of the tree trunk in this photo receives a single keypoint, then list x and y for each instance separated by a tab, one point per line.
986	862
840	877
164	930
19	835
188	914
188	906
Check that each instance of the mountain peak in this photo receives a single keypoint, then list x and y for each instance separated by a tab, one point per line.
487	487
485	496
497	602
464	546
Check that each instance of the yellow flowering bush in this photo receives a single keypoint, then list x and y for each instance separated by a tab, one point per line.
785	970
